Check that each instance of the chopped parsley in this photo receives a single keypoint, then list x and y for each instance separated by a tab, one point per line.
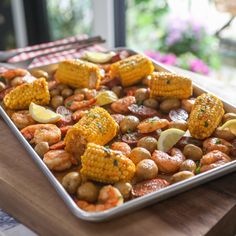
197	171
218	141
107	146
206	124
115	163
129	130
100	127
68	104
107	151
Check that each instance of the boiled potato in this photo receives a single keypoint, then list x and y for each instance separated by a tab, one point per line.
88	192
57	101
151	102
124	188
17	81
228	116
179	124
140	95
169	104
148	143
55	92
182	175
62	86
71	182
41	148
225	134
39	73
129	124
188	165
138	154
146	169
117	90
192	152
66	92
187	104
79	90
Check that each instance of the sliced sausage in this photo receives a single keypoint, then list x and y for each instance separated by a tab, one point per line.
148	186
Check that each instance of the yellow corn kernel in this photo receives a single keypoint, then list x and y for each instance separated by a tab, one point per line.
97	126
106	165
78	74
132	69
23	95
170	85
205	116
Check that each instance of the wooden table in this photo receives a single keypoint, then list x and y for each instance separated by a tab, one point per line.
26	194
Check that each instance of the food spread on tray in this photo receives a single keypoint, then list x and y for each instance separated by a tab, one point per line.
117	129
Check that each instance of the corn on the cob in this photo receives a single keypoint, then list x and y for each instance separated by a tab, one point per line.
78	74
105	165
97	127
169	84
205	116
23	95
132	69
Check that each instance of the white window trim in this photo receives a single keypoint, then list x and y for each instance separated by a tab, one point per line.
19	23
103	21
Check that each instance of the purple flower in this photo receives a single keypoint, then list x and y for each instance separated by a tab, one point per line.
199	66
169	59
173	37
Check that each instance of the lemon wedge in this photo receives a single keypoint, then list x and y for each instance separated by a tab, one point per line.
169	138
42	114
98	57
231	124
106	97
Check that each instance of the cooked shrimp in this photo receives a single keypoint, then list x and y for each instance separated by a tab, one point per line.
58	146
213	159
77	115
122	147
168	163
76	97
220	144
122	104
22	119
10	74
64	129
108	197
90	93
76	105
42	133
152	124
57	160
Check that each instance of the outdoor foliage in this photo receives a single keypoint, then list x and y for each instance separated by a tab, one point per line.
69	17
178	41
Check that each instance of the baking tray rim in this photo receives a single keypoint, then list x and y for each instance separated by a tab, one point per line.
133	204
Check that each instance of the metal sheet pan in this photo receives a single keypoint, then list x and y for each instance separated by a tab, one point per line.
134	204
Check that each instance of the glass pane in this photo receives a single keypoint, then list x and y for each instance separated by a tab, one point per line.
69	17
182	33
144	18
7	39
